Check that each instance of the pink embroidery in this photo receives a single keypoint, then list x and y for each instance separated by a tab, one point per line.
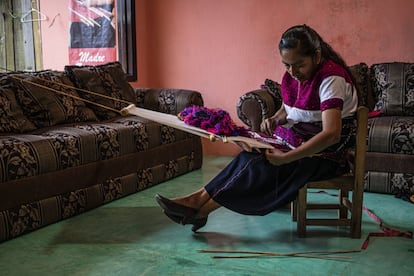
305	95
288	136
332	103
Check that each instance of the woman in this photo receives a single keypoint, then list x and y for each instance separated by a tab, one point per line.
319	100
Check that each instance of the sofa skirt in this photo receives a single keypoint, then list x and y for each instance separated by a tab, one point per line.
32	203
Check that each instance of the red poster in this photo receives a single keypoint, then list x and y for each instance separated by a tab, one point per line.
92	32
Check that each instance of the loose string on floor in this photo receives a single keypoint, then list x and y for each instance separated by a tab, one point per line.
257	254
386	230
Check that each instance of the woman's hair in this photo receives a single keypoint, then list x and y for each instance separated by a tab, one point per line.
309	41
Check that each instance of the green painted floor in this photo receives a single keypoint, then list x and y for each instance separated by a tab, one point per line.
131	236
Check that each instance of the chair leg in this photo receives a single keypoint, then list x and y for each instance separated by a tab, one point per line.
356	214
294	210
301	211
343	210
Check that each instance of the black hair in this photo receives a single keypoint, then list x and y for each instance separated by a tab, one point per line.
309	41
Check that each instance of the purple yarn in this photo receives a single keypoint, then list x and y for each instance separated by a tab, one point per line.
216	121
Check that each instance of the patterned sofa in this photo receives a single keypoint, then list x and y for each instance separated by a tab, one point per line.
388	90
60	156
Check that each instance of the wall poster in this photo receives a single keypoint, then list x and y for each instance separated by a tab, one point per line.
92	32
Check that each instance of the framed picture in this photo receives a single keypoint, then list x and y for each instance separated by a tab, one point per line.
103	31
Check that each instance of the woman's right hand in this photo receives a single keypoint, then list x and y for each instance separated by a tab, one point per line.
268	126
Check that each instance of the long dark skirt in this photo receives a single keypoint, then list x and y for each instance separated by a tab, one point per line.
250	185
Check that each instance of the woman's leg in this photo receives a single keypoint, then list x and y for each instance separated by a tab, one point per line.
202	198
192	209
207	208
195	207
199	200
194	200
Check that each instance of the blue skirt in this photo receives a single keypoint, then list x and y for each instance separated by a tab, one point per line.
250	185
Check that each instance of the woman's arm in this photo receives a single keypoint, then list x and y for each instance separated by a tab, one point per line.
330	134
267	126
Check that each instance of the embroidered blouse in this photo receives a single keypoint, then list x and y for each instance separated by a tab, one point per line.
331	87
304	102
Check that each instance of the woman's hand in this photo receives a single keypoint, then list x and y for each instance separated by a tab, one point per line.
330	134
268	126
277	157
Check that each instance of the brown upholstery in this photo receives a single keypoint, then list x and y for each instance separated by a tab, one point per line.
76	163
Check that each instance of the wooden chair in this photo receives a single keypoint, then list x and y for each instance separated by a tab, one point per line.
352	182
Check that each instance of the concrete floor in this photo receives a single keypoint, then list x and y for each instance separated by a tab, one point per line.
131	236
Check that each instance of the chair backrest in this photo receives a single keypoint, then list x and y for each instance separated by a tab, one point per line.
359	168
361	141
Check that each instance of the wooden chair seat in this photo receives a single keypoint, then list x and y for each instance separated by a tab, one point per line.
353	182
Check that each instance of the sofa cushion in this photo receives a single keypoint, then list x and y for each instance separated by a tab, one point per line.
108	80
273	88
167	100
12	119
360	73
394	85
66	146
45	101
391	134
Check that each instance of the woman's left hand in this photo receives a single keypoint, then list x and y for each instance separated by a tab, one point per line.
276	157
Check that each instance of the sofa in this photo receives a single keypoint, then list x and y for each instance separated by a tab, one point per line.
64	151
387	89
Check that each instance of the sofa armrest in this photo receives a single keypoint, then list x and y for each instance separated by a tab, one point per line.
256	105
167	100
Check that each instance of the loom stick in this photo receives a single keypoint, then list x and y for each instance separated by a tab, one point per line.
173	121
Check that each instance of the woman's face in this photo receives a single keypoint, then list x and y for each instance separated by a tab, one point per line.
300	67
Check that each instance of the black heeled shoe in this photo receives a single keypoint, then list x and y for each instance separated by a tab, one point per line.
196	222
199	223
175	209
176	219
180	214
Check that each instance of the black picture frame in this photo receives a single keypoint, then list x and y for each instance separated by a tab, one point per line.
127	52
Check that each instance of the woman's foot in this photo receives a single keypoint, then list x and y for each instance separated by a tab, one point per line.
180	214
196	222
173	208
176	219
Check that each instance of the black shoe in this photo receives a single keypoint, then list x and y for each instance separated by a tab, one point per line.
176	219
196	222
180	214
175	209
